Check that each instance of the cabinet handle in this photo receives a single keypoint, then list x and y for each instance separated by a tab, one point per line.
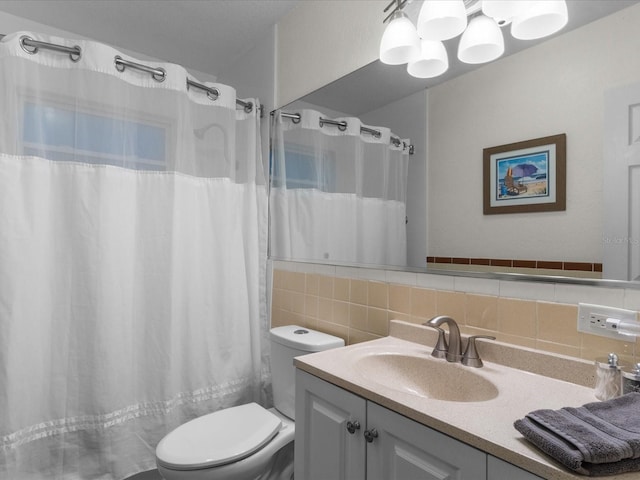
353	426
369	435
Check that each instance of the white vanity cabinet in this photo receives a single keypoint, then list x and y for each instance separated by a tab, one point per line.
340	435
329	441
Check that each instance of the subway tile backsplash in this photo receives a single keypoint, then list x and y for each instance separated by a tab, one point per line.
357	304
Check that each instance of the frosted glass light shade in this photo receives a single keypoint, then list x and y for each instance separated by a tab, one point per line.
481	42
433	60
542	18
441	19
400	42
505	10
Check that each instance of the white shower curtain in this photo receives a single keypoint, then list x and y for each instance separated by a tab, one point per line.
132	254
338	192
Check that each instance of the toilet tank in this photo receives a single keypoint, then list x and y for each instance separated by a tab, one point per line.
287	343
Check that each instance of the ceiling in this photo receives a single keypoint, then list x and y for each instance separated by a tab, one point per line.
202	35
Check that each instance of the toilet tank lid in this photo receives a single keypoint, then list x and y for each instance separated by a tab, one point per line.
218	438
305	339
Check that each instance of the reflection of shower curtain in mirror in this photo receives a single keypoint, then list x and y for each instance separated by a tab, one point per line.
337	194
133	242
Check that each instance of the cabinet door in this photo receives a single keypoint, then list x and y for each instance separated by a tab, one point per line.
324	447
404	449
500	470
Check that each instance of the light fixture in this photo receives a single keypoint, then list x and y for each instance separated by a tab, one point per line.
433	60
541	19
400	42
481	41
442	19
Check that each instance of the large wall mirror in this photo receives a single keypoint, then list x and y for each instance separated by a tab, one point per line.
582	83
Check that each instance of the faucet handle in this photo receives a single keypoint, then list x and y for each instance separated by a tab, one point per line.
470	357
441	348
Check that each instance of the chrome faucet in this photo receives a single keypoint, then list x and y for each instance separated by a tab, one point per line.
454	348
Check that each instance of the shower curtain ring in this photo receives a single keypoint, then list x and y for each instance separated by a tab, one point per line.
342	125
118	62
32	47
159	75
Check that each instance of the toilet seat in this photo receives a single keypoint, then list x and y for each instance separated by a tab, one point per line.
218	438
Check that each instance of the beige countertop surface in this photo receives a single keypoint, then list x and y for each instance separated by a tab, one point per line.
487	424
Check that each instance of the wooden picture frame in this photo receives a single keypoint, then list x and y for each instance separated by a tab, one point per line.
525	177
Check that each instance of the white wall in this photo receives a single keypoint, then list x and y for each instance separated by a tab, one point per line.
10	23
253	75
556	87
320	41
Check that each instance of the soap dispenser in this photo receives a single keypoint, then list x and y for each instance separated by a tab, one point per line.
607	377
631	379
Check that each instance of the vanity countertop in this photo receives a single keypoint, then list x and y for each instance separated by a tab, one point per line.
486	425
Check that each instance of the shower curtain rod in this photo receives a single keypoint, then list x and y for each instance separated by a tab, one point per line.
342	126
31	46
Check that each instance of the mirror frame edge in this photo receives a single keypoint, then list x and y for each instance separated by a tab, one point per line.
501	276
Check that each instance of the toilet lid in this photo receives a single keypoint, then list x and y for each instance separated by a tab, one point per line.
218	438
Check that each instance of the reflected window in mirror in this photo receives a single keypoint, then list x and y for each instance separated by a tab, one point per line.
303	170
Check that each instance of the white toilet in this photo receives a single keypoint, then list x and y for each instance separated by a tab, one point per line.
247	442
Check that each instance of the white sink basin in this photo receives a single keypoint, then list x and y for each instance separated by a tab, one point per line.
425	376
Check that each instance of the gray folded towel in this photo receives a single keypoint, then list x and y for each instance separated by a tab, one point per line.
600	438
